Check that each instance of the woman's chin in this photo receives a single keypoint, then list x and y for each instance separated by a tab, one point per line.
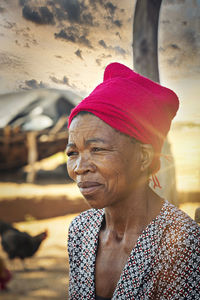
94	202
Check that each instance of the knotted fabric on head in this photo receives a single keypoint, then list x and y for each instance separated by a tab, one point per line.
134	105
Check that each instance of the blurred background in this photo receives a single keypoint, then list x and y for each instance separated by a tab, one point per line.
52	54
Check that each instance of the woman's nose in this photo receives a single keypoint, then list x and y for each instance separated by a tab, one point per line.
84	165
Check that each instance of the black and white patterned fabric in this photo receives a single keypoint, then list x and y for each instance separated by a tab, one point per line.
164	264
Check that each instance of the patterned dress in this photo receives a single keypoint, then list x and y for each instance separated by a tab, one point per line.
164	264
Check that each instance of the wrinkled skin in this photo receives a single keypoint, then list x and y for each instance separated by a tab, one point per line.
99	154
112	173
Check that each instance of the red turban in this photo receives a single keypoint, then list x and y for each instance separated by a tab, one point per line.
134	105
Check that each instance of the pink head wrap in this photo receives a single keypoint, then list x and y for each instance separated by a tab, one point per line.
134	105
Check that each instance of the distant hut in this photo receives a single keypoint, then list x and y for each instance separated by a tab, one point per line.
33	126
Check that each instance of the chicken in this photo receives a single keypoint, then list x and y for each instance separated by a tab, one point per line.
5	275
18	244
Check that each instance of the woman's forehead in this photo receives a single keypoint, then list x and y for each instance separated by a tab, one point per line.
90	127
89	124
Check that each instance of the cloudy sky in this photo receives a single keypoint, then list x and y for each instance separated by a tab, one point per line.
66	44
179	54
62	43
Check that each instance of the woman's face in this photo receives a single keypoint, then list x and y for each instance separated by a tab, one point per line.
104	163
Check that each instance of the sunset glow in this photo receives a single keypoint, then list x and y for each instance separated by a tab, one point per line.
69	49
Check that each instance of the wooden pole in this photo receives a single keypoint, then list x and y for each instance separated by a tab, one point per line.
32	155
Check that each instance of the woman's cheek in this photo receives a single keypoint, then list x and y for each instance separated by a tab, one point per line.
111	166
70	168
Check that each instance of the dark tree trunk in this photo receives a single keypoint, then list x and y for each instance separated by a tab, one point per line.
145	38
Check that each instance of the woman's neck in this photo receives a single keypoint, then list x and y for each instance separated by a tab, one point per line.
133	214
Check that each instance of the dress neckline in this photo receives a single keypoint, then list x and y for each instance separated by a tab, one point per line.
138	246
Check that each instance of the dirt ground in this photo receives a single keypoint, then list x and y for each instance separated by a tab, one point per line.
47	275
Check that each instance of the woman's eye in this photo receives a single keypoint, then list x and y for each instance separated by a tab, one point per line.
96	149
71	153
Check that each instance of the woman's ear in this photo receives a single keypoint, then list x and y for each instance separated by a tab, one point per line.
147	154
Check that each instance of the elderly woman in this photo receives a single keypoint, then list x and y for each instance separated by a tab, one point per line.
131	244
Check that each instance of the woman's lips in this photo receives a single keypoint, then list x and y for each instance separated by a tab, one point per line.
89	187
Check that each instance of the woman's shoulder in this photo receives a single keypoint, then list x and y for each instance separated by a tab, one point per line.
178	216
179	223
